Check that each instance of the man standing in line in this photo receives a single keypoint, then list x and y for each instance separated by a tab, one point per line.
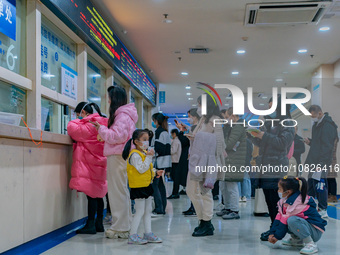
319	159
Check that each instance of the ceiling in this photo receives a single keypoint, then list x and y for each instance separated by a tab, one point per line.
219	26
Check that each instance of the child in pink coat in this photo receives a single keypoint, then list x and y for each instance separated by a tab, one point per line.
89	164
121	125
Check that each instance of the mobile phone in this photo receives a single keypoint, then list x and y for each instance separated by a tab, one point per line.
176	121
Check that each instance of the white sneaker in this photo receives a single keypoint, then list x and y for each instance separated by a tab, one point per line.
293	242
310	248
155	215
323	214
112	234
240	200
244	199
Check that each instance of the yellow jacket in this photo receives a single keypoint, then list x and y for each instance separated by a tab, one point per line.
136	179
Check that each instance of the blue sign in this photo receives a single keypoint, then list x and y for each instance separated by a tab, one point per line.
8	18
161	97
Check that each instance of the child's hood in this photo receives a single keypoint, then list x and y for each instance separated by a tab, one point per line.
130	110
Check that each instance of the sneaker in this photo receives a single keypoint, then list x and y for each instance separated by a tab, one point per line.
323	214
265	236
107	220
219	207
223	212
152	238
155	215
244	199
112	234
89	228
293	242
135	239
310	248
240	200
231	216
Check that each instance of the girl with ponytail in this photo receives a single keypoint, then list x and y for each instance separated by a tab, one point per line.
298	216
140	175
89	163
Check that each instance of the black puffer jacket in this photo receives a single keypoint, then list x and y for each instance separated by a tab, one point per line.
324	136
273	150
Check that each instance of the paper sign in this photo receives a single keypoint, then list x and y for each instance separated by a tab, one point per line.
69	80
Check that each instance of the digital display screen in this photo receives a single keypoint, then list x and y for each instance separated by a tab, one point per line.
84	19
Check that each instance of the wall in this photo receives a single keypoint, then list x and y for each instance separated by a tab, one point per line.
34	194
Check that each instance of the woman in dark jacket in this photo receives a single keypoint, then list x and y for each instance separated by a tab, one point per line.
274	143
162	146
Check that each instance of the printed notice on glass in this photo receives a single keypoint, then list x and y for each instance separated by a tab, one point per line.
69	79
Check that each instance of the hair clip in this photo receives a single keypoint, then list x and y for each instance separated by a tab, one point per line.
285	177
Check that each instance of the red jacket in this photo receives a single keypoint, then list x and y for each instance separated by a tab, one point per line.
89	164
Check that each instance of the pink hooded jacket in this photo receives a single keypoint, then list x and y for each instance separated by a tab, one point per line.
121	131
89	164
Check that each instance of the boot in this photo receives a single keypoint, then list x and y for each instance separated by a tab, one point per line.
207	229
89	228
199	226
99	224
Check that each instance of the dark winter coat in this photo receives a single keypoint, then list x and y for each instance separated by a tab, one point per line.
273	149
299	148
236	156
321	145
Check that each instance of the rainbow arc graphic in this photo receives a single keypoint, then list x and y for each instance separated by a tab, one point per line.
209	93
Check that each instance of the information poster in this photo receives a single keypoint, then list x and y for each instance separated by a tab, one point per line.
8	18
69	82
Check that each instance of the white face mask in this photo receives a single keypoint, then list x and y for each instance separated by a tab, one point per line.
199	111
191	121
145	145
315	119
281	194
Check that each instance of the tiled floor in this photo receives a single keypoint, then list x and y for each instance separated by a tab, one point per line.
231	237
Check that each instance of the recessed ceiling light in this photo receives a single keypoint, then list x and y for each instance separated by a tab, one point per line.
226	105
188	87
184	115
240	51
235	73
302	51
261	104
264	97
323	29
190	98
194	105
294	62
279	80
188	94
184	73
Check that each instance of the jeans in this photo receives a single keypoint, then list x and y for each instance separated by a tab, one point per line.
244	187
159	195
322	197
230	195
301	229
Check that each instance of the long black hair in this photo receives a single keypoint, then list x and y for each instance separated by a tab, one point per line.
135	136
118	98
212	108
193	113
161	119
295	184
87	107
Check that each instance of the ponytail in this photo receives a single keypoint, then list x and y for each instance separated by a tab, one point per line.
303	188
135	136
96	107
295	184
127	149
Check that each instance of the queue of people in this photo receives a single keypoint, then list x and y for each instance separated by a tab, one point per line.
111	157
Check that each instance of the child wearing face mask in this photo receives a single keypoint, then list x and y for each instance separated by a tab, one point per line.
298	216
140	175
